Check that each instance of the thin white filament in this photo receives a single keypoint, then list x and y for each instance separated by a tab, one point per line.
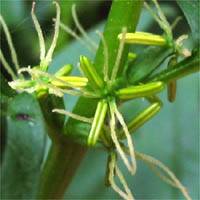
10	44
112	165
115	139
176	21
161	19
119	54
161	176
154	15
74	116
81	29
7	66
106	56
75	36
48	57
39	32
160	13
155	162
180	40
124	183
128	136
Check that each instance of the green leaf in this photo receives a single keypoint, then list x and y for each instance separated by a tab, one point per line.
5	94
25	142
146	62
191	11
13	11
5	89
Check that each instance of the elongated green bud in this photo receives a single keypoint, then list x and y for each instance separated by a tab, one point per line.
144	116
131	56
98	121
140	90
64	71
88	69
144	38
75	81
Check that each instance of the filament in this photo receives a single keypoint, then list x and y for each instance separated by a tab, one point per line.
160	13
176	21
128	136
161	19
10	43
123	181
155	162
73	34
56	32
39	32
74	116
112	165
7	66
115	139
81	29
119	55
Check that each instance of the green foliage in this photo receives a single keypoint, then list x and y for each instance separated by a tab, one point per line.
191	11
25	146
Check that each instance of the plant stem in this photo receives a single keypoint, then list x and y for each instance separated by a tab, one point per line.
60	167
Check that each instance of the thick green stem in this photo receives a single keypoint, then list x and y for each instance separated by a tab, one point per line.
65	155
60	167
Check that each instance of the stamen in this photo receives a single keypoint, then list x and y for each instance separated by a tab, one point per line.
161	20
155	162
115	139
106	56
112	165
10	43
123	181
75	36
128	136
153	14
176	21
74	116
39	32
48	57
80	28
119	54
160	13
180	40
7	66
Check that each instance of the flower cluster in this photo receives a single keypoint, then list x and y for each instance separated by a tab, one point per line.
108	125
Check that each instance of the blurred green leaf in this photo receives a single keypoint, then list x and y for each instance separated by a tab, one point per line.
146	62
5	94
24	148
5	89
13	11
191	11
